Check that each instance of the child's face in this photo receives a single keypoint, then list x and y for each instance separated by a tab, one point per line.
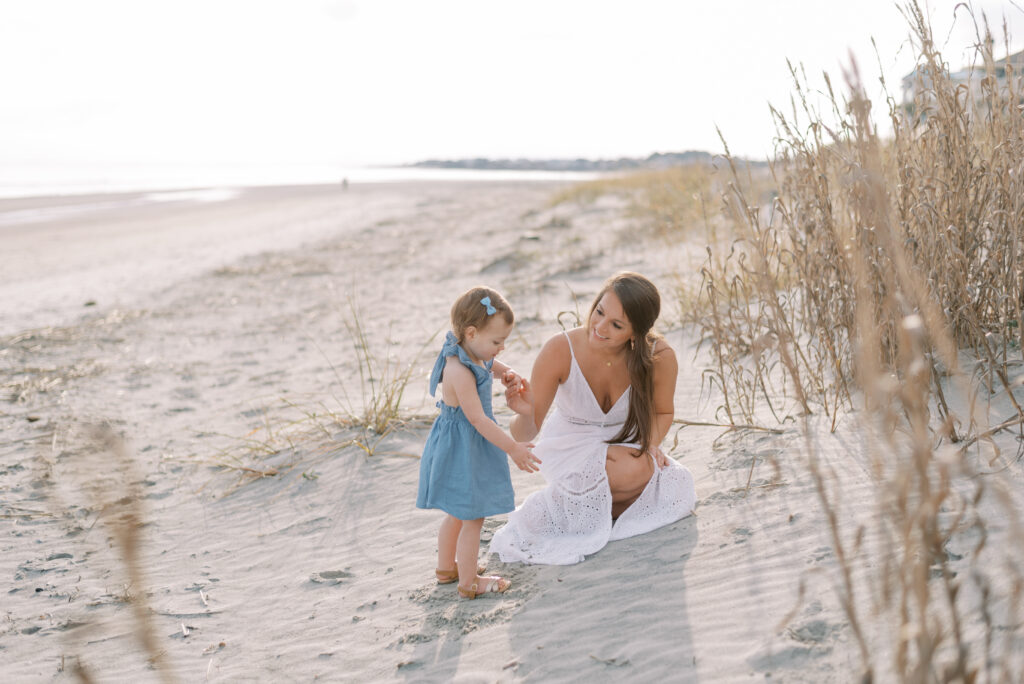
485	343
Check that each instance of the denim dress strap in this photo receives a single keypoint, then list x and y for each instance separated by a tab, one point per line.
452	348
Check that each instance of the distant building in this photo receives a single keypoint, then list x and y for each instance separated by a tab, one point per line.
972	78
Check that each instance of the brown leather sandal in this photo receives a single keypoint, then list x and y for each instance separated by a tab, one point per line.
492	585
449	576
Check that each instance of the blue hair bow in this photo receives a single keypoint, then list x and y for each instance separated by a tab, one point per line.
486	301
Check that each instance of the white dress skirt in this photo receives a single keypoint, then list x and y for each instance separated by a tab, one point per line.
572	516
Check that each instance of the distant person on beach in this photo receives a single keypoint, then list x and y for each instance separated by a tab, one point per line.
612	384
464	471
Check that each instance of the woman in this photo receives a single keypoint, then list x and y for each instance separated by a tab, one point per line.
612	383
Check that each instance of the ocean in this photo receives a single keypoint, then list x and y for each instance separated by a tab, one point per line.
42	180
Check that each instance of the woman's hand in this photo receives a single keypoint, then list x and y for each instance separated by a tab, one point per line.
523	457
659	457
519	397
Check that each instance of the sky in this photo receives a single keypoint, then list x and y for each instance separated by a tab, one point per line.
396	81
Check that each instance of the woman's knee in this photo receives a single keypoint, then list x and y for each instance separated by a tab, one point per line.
628	470
617	453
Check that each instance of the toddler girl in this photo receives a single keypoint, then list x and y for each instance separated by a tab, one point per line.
464	471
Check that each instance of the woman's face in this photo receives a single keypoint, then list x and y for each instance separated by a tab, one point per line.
608	326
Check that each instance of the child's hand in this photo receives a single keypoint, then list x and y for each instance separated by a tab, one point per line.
519	398
523	457
511	379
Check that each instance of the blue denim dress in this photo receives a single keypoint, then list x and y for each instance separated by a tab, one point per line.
462	473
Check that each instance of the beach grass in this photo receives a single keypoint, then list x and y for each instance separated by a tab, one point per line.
672	202
113	492
382	384
883	283
296	434
880	262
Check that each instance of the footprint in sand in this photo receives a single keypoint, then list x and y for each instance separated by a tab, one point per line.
330	576
815	632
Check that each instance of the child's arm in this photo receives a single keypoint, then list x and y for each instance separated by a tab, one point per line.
505	373
463	382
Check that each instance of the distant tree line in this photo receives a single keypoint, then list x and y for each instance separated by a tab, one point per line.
657	160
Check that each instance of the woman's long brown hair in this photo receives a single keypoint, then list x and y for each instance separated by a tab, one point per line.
642	304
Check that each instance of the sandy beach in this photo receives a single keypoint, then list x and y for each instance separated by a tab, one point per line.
213	331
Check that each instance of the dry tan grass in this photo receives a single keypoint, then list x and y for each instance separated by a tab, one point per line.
110	482
382	380
295	435
673	201
876	269
934	215
877	264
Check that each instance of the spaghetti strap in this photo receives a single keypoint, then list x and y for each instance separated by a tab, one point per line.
571	352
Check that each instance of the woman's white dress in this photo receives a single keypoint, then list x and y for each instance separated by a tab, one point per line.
572	516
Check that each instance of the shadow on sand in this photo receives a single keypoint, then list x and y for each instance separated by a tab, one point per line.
621	614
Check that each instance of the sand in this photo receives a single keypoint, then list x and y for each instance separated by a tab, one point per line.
215	329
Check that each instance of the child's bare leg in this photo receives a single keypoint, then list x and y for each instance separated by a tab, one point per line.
447	538
471	584
467	551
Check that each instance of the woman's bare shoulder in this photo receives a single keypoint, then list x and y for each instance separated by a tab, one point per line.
554	356
661	347
557	344
664	355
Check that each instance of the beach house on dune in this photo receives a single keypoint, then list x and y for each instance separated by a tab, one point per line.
1001	86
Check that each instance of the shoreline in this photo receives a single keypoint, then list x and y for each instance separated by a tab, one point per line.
100	252
201	178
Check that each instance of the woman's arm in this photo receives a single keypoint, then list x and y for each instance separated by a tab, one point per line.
550	369
666	370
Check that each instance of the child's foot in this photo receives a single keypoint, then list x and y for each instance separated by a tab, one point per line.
449	576
485	585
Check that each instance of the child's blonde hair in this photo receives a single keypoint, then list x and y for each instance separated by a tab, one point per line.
470	310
